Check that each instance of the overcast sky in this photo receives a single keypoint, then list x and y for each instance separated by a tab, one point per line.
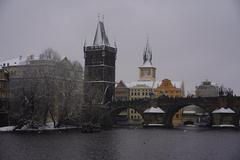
191	40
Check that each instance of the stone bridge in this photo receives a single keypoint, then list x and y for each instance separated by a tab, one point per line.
172	105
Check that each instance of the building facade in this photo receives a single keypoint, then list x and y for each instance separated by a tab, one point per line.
4	83
122	92
99	74
4	92
207	89
168	88
44	88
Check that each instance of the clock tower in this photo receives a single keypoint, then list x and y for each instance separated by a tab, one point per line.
147	70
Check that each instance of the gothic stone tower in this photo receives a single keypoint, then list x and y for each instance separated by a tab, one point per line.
99	75
147	70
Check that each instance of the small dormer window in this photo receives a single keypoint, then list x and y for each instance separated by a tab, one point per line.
7	64
15	62
3	64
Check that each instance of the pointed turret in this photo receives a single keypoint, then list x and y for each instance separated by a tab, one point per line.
100	37
147	70
147	54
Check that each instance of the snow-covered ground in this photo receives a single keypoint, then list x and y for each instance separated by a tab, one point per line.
7	128
47	127
224	125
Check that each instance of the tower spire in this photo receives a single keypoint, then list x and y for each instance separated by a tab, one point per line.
100	37
147	54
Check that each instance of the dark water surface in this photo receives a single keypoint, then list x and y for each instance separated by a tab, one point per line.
123	144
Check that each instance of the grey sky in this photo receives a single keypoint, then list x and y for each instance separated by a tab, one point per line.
191	40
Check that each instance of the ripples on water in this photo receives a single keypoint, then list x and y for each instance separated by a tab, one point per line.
123	144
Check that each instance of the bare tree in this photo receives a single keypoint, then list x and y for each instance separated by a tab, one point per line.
47	90
223	91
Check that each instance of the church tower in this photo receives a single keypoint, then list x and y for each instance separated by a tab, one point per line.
99	75
147	70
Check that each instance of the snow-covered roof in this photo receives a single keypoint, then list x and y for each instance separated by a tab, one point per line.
147	64
14	61
142	84
151	84
154	110
100	35
223	110
27	59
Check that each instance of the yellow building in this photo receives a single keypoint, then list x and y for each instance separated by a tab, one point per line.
171	89
133	91
139	90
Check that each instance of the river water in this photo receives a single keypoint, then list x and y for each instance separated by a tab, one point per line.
123	144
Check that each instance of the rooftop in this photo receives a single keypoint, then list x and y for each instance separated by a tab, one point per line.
223	110
151	84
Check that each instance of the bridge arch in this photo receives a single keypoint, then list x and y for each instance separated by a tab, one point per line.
170	111
115	113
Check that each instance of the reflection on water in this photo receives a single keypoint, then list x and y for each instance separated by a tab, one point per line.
122	144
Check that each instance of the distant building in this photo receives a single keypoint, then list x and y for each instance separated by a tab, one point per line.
99	74
121	92
4	92
44	88
171	89
207	89
4	83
